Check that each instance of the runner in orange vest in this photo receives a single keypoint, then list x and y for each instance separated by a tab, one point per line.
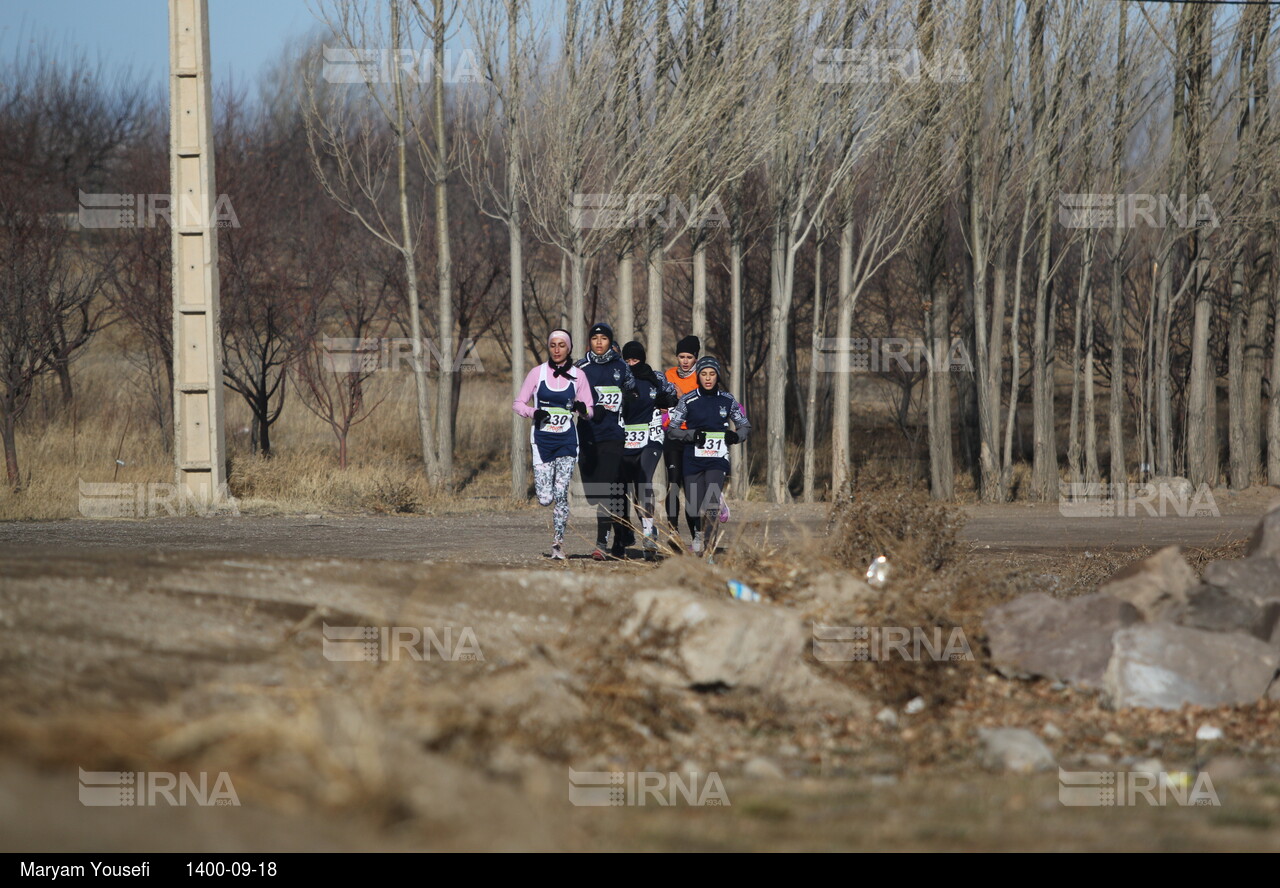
685	381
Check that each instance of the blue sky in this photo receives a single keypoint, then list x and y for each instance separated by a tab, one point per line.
245	35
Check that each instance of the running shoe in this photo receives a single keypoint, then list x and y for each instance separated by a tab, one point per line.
696	549
597	554
557	552
651	545
628	536
618	552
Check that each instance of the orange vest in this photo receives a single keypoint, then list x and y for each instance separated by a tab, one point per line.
683	386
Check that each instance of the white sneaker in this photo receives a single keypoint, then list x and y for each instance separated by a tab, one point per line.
697	543
557	552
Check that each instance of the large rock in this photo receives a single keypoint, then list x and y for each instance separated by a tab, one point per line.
1157	585
1163	666
690	641
1221	610
1254	579
1265	541
1068	640
1014	749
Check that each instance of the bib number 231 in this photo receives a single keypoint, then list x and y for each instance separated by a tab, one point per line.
713	448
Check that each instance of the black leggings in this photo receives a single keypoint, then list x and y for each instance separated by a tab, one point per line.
601	467
638	467
702	491
673	458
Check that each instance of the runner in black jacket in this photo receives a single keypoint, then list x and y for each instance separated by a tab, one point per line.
706	413
642	446
601	436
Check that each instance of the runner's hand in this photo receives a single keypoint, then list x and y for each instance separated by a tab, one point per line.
731	437
700	438
580	409
540	416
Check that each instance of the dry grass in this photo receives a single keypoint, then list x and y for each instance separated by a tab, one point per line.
110	434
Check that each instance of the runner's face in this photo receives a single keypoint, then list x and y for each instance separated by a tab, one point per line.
707	377
631	362
599	343
559	349
686	361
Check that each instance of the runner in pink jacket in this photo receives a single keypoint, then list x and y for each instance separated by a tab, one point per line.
552	393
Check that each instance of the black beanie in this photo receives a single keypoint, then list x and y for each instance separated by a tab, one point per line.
601	328
708	362
689	345
633	349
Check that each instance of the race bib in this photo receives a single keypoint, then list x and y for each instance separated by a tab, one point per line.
714	448
559	422
636	436
610	397
655	426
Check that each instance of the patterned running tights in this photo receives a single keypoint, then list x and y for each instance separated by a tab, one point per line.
551	481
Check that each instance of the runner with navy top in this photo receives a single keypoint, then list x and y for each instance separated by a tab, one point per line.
706	413
602	438
642	415
559	391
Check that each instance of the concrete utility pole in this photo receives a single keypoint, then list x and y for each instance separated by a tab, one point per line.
199	440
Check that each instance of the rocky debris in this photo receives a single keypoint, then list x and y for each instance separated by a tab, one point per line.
1014	749
684	640
1165	666
1070	640
1153	635
1156	586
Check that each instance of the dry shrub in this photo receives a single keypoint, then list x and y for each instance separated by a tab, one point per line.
915	533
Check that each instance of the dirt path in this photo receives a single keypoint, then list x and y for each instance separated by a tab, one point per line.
520	539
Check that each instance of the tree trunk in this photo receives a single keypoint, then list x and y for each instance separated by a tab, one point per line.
941	470
625	318
7	431
429	462
1242	452
738	373
700	293
811	400
844	332
444	264
653	331
779	312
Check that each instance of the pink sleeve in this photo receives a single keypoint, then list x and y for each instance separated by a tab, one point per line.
584	391
521	404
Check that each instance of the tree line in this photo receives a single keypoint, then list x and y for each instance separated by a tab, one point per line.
1079	198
